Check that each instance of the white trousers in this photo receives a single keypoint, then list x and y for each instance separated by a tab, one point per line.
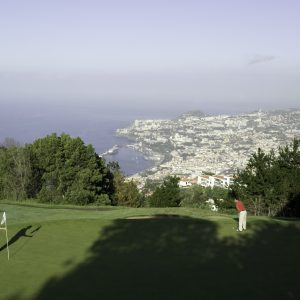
242	220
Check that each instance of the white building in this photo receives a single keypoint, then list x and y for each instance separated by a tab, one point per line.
217	180
187	181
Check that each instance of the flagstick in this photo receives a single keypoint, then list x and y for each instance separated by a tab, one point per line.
7	243
3	221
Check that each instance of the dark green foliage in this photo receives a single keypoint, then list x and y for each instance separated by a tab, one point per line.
150	186
288	164
126	193
166	195
61	169
197	195
222	196
15	172
67	170
270	183
194	197
216	193
114	166
55	169
255	182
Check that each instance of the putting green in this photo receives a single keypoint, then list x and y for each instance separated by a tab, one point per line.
146	254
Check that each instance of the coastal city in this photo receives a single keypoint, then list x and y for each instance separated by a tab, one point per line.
195	144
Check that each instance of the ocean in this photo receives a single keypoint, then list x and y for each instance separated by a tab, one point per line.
96	125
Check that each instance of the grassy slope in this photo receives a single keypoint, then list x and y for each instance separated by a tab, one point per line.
80	254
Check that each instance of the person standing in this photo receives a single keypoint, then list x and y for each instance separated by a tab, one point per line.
242	214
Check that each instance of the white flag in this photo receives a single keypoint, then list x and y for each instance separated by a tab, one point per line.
3	219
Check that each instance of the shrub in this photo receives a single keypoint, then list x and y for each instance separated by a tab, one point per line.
166	195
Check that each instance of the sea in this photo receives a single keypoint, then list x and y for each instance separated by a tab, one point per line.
94	124
94	121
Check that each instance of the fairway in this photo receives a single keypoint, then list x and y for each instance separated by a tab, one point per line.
143	253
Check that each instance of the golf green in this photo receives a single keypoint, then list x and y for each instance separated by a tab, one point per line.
125	253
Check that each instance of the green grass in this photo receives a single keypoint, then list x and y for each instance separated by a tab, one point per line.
75	253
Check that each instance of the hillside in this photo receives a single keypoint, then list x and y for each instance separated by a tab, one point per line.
195	143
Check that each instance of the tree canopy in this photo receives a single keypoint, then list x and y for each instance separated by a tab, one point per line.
166	195
54	169
270	181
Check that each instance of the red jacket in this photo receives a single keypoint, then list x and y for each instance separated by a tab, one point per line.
240	206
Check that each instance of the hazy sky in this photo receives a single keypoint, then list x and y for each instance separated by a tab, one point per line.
215	55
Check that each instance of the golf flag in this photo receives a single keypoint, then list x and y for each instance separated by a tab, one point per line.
3	221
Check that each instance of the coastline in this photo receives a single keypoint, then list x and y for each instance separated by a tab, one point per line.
155	158
132	161
194	143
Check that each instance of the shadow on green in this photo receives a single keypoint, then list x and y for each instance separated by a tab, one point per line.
183	258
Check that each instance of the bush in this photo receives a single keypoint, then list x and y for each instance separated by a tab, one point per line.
166	195
103	199
194	197
80	197
225	204
49	195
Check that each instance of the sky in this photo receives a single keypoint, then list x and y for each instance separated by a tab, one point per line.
219	56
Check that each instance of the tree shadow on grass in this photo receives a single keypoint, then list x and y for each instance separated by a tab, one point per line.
182	258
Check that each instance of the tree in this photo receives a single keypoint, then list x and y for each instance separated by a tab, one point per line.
166	195
125	193
270	182
67	170
194	197
15	171
197	195
221	196
288	162
254	182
